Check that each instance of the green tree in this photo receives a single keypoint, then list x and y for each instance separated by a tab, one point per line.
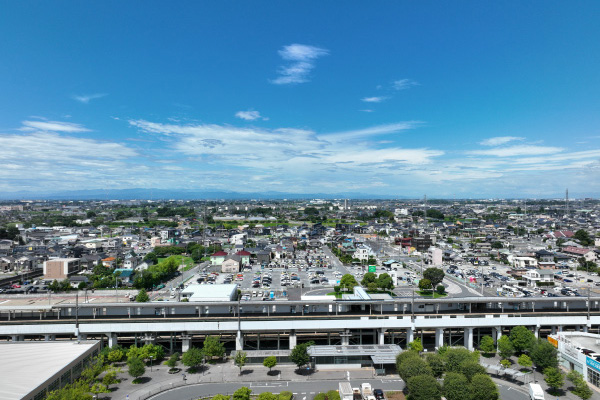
385	282
192	358
454	357
299	354
242	393
332	395
425	284
270	362
487	344
221	397
173	361
435	275
505	347
525	361
544	354
483	388
440	289
580	387
110	378
115	355
98	388
136	367
470	368
413	367
416	345
521	338
505	363
348	282
424	387
320	396
240	359
370	277
142	296
436	363
213	347
285	395
78	390
583	237
554	378
456	386
267	396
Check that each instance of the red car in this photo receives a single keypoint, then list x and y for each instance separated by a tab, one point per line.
15	286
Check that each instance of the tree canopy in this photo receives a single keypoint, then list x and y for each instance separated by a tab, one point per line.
435	275
521	338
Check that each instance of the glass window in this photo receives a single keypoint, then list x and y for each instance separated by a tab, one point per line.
593	377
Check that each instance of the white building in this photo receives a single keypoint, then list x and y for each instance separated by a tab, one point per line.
434	256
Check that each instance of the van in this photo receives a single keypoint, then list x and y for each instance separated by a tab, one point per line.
536	392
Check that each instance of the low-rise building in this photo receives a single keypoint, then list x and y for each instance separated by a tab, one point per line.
60	268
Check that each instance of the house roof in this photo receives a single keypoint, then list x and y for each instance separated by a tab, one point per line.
243	253
576	250
219	254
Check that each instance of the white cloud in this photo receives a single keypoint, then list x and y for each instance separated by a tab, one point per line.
53	126
86	98
366	110
513	151
250	115
371	131
374	99
500	140
301	60
402	84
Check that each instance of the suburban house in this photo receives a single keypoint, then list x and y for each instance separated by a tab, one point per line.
588	254
524	263
244	256
534	276
218	258
231	264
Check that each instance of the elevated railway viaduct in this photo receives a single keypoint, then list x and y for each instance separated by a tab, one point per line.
283	324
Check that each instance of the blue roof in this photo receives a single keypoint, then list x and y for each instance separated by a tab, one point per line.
125	272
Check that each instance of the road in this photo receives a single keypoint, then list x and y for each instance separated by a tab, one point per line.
185	275
302	390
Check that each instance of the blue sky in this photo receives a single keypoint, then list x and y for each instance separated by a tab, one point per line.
448	99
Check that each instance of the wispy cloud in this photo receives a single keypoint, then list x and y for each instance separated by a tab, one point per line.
403	84
374	99
53	126
86	98
301	60
384	129
250	115
367	110
512	151
500	140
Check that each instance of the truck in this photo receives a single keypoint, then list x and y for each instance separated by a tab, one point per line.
345	390
536	392
367	391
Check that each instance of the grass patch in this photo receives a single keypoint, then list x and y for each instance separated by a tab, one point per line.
337	295
381	292
187	261
427	293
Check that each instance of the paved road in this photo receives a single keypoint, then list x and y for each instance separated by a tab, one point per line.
302	390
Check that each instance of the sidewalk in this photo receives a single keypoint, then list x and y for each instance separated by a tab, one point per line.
491	365
159	379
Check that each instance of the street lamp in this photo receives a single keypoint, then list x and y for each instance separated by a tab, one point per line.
151	358
184	379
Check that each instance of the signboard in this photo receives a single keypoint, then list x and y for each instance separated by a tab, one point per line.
553	341
372	268
593	363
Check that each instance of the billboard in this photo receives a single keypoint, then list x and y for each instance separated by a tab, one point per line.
372	268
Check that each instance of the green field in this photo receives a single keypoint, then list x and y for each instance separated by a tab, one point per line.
189	263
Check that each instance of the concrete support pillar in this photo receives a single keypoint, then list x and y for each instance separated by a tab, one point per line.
345	336
577	328
497	333
585	328
439	338
258	341
560	328
49	338
112	339
292	339
239	341
186	343
18	338
468	341
81	337
553	331
381	336
410	335
536	331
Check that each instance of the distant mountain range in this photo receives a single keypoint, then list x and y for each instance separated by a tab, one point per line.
180	194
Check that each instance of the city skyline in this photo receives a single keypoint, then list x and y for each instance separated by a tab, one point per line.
454	100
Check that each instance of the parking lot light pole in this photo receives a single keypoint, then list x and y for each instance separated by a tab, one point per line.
151	358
